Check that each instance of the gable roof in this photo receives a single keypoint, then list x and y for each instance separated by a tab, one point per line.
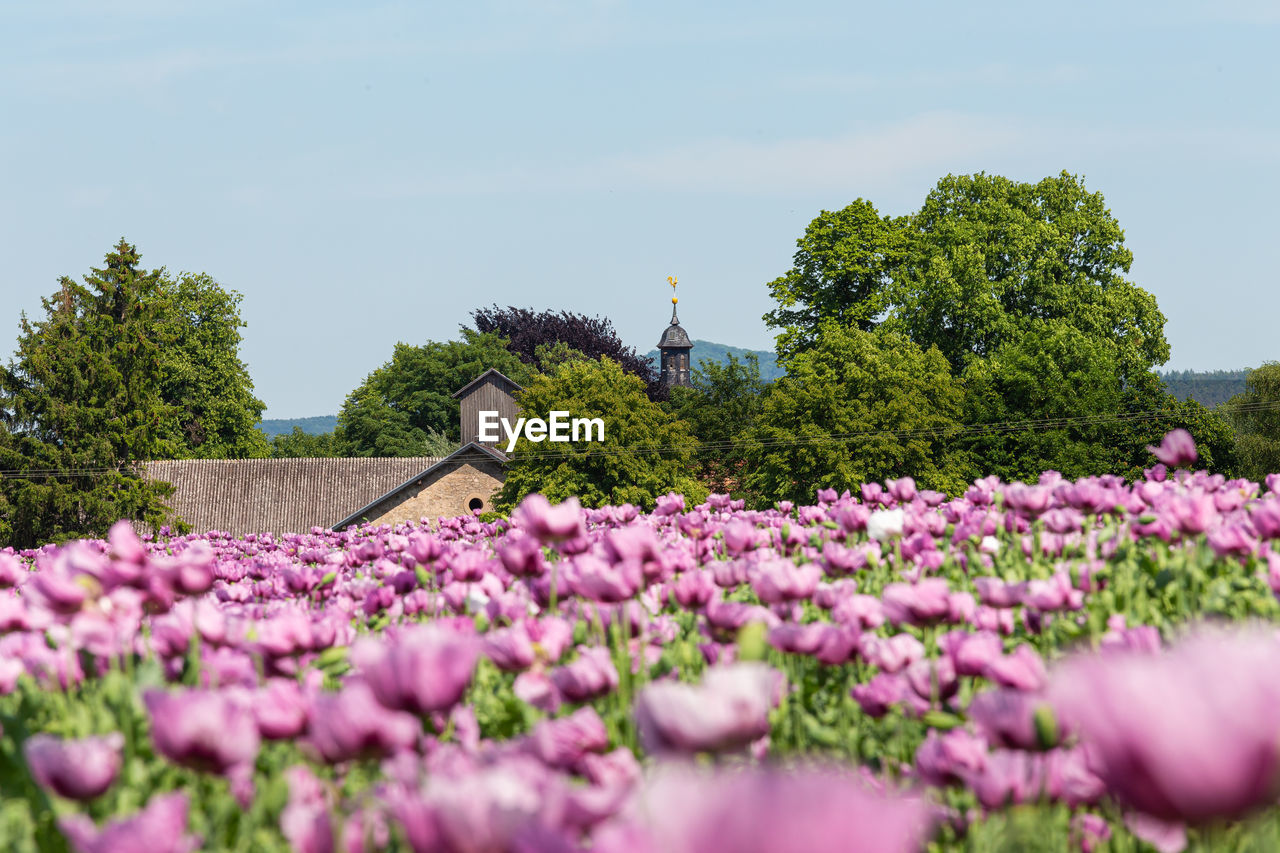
490	372
457	457
244	496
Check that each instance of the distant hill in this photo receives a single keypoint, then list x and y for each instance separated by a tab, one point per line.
1207	387
709	351
318	425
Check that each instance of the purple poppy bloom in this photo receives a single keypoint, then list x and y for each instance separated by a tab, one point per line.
840	643
902	490
422	670
563	743
917	604
56	591
75	769
280	710
1068	779
944	759
970	653
1007	718
1029	501
353	724
879	695
1142	638
1063	520
778	581
596	580
1089	831
592	674
873	494
548	523
828	595
995	592
1053	594
161	827
1177	449
796	638
686	810
510	649
304	821
1185	735
1232	540
209	730
669	504
1023	669
852	518
521	555
1009	777
933	680
739	537
863	611
842	560
693	589
1192	514
12	571
892	654
727	711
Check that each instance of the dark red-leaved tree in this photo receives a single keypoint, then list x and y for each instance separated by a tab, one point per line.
525	330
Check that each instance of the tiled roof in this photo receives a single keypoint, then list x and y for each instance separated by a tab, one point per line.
279	495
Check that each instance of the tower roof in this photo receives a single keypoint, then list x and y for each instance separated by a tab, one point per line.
674	336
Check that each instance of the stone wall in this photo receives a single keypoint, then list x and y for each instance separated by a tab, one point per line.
446	491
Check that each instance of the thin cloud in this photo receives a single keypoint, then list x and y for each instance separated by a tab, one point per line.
865	161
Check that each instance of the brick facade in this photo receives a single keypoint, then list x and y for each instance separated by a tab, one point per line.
446	491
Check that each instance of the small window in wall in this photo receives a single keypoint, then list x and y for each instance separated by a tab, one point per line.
475	504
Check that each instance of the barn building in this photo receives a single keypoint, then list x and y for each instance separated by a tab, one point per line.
242	496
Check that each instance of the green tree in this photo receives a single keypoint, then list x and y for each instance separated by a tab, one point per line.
646	451
1255	415
1147	411
989	256
842	271
202	377
721	403
82	402
1031	394
407	408
303	445
857	407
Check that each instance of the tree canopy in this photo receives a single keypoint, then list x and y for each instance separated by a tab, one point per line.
721	402
843	269
1255	415
304	445
82	405
1023	288
214	411
646	453
857	406
406	407
990	256
525	330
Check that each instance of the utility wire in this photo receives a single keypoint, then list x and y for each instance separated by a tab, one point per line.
965	430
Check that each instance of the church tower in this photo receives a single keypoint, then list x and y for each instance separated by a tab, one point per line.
674	347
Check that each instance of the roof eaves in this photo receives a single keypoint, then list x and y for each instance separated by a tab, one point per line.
465	388
472	446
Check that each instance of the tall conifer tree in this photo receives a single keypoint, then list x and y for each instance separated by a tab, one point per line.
82	403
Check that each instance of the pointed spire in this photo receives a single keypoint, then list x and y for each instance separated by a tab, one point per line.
672	280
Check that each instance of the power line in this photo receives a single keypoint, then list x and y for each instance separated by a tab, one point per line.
965	430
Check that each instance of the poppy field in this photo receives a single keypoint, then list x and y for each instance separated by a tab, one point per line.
1060	665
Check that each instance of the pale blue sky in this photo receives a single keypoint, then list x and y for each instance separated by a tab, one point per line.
369	172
